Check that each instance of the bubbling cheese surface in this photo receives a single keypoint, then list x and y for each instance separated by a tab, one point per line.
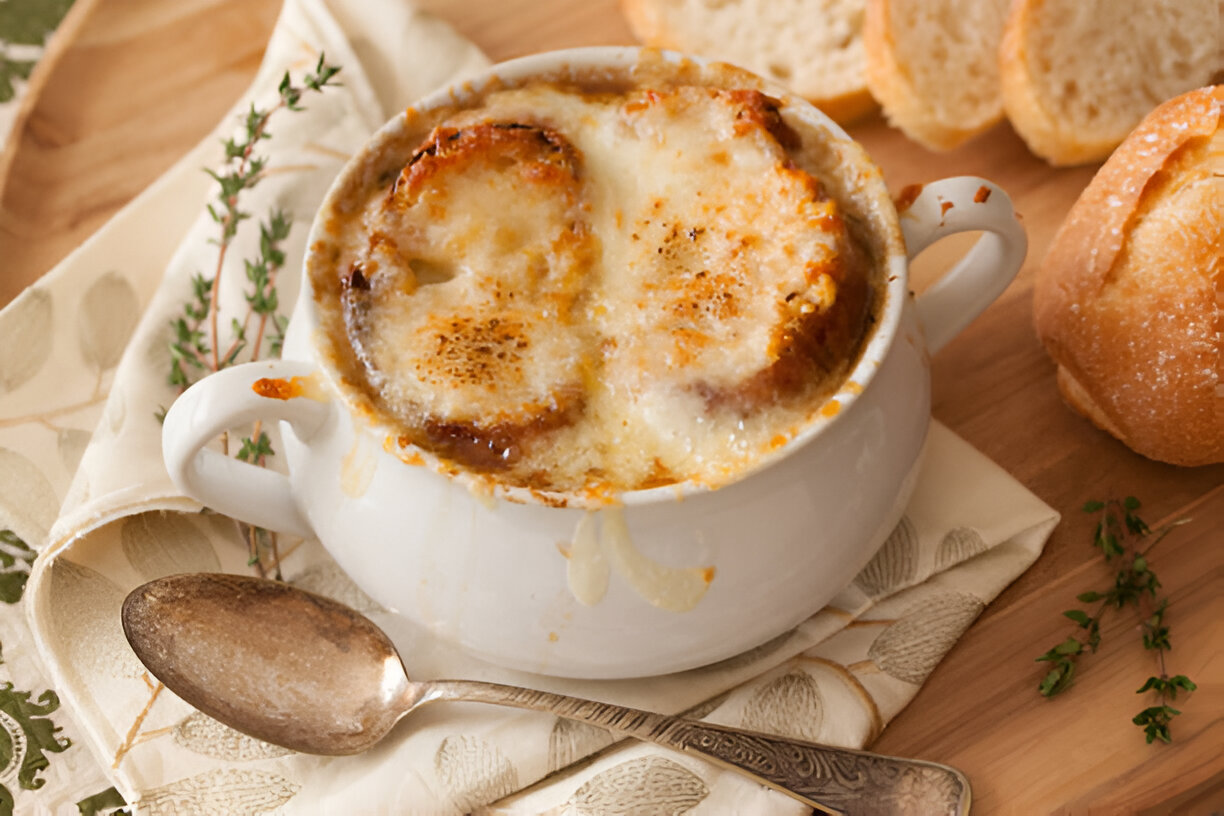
605	291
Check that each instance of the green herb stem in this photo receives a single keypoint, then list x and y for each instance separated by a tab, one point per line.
1122	535
195	349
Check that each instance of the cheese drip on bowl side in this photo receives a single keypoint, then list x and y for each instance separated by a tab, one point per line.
601	291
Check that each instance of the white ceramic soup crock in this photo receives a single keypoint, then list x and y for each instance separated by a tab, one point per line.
666	578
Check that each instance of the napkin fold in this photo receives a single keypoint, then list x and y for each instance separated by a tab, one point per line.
83	361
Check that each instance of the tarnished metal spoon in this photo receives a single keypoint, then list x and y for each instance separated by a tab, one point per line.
307	673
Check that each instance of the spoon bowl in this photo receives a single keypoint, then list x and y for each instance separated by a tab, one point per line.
286	666
305	672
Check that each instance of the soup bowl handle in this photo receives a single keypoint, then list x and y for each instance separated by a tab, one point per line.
233	398
963	204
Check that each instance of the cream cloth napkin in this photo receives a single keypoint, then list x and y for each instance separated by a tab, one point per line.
83	358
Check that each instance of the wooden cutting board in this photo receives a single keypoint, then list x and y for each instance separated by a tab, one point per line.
145	80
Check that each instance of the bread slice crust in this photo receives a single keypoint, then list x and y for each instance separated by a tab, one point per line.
922	93
687	26
1072	114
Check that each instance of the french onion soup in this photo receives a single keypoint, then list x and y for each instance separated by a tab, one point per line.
594	287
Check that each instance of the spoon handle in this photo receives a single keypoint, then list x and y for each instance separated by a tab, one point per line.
833	780
851	782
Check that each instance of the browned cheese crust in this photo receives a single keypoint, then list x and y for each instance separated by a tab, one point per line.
489	346
1129	300
598	284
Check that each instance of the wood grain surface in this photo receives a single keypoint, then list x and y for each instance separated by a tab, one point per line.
146	79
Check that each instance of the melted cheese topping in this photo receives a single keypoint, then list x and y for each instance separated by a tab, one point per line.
608	291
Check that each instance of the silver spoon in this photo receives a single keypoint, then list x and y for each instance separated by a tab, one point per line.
307	673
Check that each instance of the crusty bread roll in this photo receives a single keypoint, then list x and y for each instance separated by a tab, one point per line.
1130	299
933	66
814	47
1078	75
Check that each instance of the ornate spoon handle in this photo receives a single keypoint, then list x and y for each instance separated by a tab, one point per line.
833	780
849	782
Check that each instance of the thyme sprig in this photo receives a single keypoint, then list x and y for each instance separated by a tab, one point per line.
1155	719
1125	541
196	347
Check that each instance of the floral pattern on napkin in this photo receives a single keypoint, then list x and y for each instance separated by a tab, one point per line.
83	355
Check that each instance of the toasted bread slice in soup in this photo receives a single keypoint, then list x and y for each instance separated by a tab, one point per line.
474	348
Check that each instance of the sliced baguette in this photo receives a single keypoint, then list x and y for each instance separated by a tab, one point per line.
933	66
1129	302
814	47
1078	75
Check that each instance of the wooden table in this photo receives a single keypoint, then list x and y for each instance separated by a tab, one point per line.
146	79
